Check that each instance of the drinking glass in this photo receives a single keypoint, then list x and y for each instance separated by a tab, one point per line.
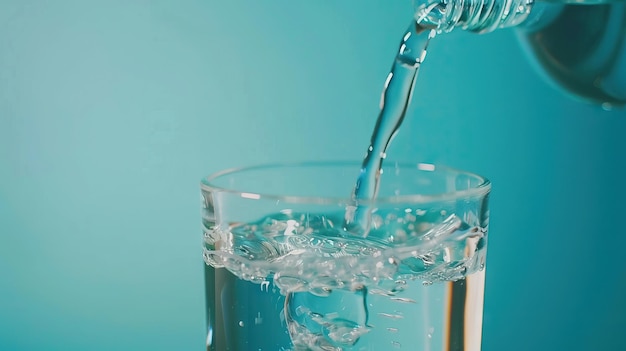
284	272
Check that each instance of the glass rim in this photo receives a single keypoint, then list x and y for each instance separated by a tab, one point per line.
482	189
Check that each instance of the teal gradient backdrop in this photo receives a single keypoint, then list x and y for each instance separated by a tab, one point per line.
111	112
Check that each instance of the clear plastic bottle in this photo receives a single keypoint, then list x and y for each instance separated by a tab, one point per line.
579	44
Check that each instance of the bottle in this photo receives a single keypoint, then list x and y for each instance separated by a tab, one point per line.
580	45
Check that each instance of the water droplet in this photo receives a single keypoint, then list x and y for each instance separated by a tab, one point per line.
258	319
427	283
241	323
396	344
607	106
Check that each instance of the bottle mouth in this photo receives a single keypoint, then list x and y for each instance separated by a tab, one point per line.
434	14
481	16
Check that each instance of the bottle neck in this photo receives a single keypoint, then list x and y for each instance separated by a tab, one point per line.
481	16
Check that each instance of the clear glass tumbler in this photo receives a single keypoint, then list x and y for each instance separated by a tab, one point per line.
282	272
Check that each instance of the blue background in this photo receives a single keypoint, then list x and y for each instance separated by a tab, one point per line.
111	112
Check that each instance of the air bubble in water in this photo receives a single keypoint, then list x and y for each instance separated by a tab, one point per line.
343	332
